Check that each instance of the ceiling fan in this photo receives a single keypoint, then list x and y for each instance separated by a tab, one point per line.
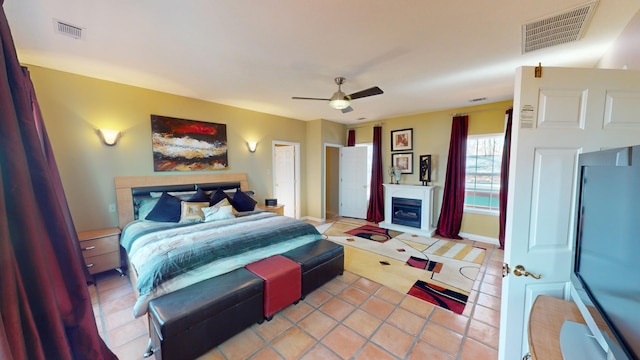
342	101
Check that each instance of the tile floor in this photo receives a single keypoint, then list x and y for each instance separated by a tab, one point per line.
348	318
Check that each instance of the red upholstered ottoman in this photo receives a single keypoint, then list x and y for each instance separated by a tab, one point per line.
282	282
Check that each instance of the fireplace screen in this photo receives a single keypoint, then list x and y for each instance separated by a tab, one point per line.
406	212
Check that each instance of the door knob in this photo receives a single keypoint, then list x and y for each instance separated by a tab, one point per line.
519	270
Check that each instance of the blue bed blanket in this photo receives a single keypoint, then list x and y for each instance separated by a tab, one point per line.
169	256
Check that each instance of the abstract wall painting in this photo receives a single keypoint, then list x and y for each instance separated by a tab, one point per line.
188	145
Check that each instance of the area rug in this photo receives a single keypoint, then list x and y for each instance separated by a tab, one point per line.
438	271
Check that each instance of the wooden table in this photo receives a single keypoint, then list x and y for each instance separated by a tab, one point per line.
546	318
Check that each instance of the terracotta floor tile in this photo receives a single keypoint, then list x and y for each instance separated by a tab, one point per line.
266	353
269	330
320	352
317	297
353	296
293	343
132	350
213	354
442	338
348	277
407	321
390	295
337	308
451	320
297	311
362	322
127	332
367	285
334	287
417	306
487	315
468	310
489	301
393	340
473	350
372	351
343	341
492	279
115	293
484	333
317	324
110	279
125	301
423	351
118	318
242	345
491	289
377	307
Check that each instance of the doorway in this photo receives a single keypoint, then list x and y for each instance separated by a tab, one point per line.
286	176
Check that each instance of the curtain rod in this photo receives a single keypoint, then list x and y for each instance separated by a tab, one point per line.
361	126
483	110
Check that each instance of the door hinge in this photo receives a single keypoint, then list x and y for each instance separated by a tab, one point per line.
505	269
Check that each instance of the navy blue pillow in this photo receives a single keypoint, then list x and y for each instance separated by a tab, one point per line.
167	209
243	202
199	196
218	196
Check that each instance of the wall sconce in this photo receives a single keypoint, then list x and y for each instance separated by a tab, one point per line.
252	145
109	137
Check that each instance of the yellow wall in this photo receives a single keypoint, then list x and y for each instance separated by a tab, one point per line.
431	133
74	106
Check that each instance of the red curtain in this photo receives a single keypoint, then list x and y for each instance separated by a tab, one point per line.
504	177
375	212
351	140
45	307
453	196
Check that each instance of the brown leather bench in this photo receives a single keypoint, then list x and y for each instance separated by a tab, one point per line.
320	261
187	323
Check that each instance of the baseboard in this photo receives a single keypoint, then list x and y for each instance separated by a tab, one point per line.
484	239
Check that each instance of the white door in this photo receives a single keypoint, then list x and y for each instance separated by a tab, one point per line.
353	182
556	117
285	178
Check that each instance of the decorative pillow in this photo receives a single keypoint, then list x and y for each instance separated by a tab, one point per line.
214	213
243	202
145	207
167	209
217	196
191	212
199	196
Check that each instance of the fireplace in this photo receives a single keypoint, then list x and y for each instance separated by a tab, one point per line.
408	208
406	212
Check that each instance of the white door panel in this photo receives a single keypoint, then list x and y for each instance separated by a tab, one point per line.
353	182
284	175
555	118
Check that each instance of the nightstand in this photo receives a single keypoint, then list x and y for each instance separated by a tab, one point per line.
101	249
278	209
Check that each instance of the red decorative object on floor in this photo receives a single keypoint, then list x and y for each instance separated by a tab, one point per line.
282	282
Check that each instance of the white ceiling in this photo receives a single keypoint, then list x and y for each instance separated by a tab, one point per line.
425	55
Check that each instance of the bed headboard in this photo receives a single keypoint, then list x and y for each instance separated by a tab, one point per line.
125	186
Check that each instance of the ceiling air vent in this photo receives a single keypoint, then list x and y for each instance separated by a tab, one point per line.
558	29
67	29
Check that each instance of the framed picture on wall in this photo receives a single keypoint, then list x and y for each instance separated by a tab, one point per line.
403	162
401	140
425	169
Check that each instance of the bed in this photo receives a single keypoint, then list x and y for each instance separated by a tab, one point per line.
164	256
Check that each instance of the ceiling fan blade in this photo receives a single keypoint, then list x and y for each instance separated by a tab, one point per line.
307	98
367	92
347	109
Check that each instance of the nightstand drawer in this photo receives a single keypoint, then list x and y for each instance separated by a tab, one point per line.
100	246
103	262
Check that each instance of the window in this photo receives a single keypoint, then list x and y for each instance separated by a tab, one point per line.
482	181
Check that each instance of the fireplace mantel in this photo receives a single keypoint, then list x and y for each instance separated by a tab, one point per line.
424	193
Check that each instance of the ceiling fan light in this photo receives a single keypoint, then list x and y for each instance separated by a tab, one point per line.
339	101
